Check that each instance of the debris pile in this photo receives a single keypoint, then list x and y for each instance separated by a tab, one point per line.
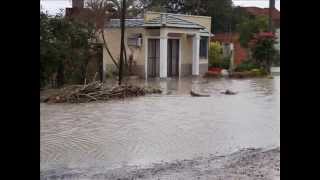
195	94
95	91
228	92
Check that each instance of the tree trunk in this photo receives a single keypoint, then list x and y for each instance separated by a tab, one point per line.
126	64
108	50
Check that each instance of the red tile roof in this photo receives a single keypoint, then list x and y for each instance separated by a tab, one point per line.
223	37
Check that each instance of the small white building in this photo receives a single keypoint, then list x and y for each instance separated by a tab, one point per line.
162	44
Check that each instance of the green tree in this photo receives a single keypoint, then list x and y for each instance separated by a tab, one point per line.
263	50
49	53
219	10
251	26
64	48
239	15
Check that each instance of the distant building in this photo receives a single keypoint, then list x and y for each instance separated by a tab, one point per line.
163	44
158	45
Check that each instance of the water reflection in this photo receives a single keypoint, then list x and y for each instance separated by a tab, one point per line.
158	128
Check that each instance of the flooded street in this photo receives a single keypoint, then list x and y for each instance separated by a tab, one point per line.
162	128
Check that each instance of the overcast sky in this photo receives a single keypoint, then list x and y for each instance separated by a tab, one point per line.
54	6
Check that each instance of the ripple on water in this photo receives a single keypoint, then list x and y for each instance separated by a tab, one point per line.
157	128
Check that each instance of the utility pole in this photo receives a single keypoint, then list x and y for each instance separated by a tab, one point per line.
271	8
77	3
271	29
123	14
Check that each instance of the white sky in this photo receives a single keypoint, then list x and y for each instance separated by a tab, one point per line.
54	6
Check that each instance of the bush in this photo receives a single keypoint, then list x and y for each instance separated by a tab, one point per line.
249	27
259	72
246	66
216	58
263	50
215	54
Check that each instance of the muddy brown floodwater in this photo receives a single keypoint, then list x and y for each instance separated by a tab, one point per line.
173	126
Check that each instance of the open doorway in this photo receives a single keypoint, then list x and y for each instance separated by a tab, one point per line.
153	58
173	58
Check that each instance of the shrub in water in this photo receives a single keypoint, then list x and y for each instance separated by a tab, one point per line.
215	54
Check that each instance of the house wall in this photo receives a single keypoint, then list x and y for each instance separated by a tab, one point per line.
113	36
186	55
186	41
240	53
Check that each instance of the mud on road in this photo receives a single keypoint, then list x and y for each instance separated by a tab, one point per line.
247	164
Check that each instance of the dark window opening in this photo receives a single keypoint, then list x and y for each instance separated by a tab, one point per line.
203	47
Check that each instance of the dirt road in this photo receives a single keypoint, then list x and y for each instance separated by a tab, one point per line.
248	164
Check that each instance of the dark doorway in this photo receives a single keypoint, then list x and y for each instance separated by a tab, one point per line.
153	57
173	57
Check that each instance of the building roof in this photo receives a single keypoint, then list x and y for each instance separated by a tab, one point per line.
226	37
129	23
170	20
165	19
205	32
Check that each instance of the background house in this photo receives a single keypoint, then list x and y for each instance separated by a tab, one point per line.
157	45
162	44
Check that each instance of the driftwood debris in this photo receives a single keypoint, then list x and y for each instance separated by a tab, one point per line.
228	92
192	93
95	91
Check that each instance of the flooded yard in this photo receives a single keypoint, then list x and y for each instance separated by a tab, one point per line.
162	128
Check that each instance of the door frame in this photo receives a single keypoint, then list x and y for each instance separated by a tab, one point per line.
146	39
156	60
170	58
146	44
179	59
